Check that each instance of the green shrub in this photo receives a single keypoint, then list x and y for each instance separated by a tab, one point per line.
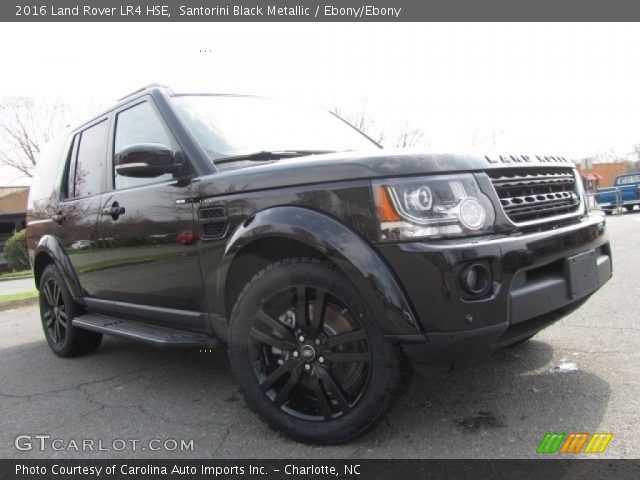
15	252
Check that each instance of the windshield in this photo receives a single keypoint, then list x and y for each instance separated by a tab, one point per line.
229	126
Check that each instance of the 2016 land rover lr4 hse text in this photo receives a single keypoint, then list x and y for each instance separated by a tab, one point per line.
323	262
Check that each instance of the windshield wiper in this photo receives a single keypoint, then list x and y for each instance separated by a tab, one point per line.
271	155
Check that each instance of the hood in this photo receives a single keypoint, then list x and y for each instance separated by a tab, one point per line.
346	166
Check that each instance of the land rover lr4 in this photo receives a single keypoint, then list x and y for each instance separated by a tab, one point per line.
324	263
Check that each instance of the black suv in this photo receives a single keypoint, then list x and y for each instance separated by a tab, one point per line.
322	261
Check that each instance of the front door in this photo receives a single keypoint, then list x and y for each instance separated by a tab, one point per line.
151	254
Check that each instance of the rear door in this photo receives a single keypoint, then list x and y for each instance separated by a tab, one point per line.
79	212
152	257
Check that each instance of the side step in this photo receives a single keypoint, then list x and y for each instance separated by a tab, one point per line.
155	335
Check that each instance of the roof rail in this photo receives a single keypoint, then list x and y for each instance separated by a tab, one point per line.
146	87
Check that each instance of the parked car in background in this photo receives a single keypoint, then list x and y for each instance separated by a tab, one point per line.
625	193
80	244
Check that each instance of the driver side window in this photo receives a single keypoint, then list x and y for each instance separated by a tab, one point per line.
138	124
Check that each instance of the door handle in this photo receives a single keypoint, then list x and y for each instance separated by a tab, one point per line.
59	218
114	211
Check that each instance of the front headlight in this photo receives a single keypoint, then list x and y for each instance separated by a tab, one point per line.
436	206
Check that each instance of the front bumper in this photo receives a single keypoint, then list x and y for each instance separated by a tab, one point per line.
532	286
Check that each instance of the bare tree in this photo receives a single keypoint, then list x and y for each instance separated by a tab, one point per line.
634	165
25	126
361	121
403	137
408	137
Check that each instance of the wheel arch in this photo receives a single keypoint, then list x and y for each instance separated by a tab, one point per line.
50	251
284	232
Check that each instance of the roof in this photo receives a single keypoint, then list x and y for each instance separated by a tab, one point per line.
13	200
592	176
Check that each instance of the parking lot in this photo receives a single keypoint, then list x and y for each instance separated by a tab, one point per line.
579	375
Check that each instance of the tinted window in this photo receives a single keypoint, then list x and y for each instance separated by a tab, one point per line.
92	153
46	177
231	125
139	124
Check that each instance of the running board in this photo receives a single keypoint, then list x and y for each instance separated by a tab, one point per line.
143	332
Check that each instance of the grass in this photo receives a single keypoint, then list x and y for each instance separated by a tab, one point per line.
18	296
19	274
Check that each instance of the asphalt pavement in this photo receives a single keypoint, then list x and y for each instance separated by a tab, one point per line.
579	375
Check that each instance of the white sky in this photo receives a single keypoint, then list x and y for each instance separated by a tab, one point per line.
567	89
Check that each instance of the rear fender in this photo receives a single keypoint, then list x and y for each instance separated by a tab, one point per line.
51	246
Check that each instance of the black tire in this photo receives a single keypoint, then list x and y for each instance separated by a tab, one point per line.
607	211
628	208
57	309
323	404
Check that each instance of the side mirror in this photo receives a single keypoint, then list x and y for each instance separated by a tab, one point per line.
146	160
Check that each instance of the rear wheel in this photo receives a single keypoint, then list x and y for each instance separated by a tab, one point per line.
308	354
628	208
57	309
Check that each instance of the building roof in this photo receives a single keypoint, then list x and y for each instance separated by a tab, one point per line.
13	200
592	176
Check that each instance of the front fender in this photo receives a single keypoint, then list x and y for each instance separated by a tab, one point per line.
352	254
51	246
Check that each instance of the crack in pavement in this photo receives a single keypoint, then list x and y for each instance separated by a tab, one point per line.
84	384
225	436
90	398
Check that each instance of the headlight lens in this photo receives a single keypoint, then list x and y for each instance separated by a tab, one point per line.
436	206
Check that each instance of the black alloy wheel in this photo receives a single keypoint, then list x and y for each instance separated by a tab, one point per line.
308	354
55	317
57	310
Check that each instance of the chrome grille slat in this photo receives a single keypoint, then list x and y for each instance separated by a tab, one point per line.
534	195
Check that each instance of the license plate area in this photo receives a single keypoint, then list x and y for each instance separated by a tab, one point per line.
582	273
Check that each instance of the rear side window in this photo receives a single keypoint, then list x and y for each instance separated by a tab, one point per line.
88	171
47	175
629	179
138	124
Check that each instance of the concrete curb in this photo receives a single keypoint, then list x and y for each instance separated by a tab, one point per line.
15	278
23	302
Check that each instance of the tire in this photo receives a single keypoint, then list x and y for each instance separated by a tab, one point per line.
607	211
57	309
628	208
325	380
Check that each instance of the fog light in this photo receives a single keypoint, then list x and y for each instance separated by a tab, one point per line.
476	278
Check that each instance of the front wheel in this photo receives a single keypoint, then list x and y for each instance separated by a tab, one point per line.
309	356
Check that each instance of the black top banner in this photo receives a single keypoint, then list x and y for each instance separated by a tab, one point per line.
317	10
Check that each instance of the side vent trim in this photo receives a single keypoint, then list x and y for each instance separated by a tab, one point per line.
213	222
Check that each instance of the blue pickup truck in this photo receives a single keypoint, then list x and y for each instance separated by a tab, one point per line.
624	193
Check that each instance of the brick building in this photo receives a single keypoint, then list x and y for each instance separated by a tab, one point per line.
13	211
601	175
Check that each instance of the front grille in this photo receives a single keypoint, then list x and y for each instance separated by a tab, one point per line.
537	194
